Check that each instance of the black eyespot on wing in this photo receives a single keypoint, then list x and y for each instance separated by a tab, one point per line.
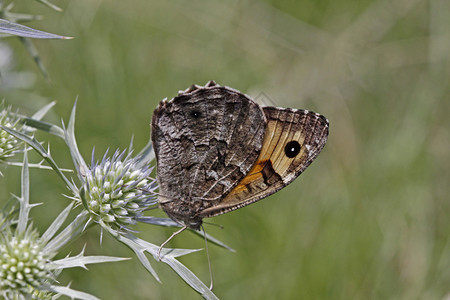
292	149
195	114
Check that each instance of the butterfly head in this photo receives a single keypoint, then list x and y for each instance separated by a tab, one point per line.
182	214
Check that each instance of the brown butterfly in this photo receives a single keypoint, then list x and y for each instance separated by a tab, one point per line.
217	150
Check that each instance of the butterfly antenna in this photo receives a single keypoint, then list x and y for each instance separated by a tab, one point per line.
214	224
209	261
173	234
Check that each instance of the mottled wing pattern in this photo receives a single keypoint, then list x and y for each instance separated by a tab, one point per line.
205	142
292	141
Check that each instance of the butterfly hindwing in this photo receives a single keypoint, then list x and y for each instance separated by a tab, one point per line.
293	139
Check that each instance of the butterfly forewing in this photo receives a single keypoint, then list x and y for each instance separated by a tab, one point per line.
293	139
205	142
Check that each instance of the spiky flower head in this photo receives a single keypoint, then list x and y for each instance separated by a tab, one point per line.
117	190
23	263
9	145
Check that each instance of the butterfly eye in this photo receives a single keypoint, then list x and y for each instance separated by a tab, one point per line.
195	114
292	149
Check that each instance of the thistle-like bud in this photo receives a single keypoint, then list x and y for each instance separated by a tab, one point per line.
23	264
116	191
9	145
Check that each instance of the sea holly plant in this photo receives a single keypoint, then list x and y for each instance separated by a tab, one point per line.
114	193
28	268
10	146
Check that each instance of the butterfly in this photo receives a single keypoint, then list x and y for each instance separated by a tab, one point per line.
217	150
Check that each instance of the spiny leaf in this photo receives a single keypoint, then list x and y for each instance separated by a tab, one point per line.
73	294
25	31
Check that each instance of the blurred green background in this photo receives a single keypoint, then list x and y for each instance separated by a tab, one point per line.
369	219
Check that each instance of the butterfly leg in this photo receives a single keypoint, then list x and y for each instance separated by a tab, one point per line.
173	234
